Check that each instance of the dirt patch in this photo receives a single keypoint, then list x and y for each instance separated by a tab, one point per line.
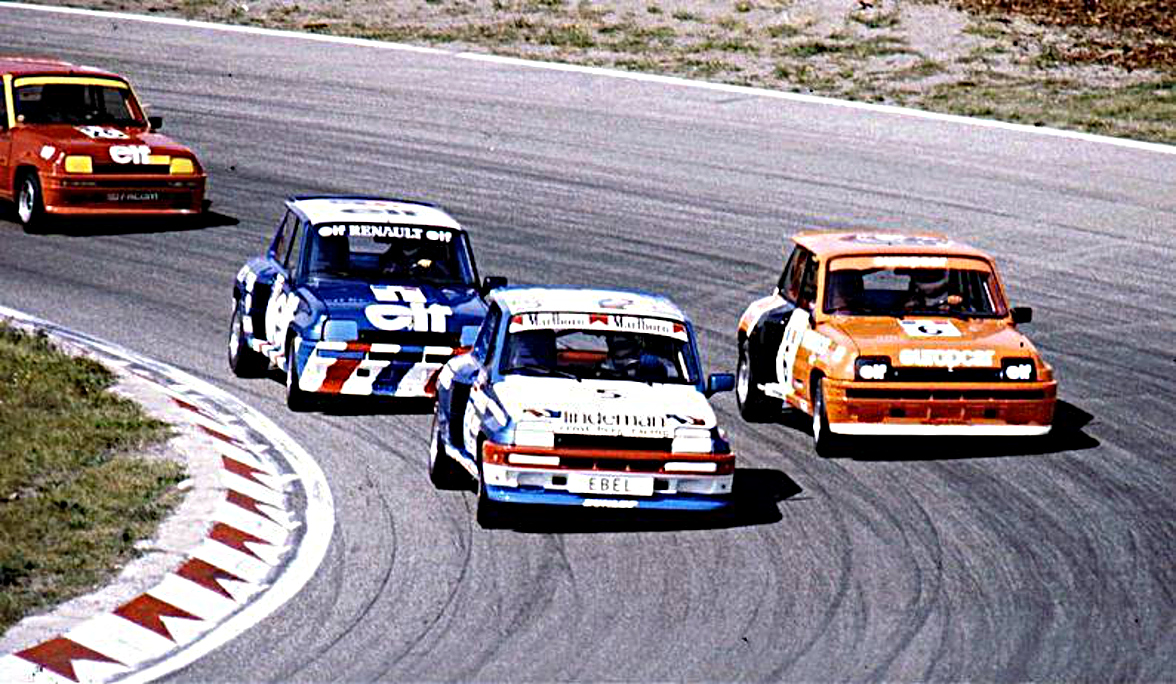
1133	34
1104	66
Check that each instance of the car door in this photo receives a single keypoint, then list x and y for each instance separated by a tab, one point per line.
774	343
477	378
795	370
6	123
282	271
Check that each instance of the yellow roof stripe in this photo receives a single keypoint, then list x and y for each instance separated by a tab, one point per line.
69	80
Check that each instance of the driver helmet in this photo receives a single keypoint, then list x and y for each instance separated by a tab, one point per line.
930	285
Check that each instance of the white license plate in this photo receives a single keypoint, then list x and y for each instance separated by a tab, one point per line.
133	197
610	485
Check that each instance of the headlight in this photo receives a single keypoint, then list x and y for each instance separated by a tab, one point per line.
691	467
534	434
340	331
532	460
1018	370
692	440
871	367
79	163
180	165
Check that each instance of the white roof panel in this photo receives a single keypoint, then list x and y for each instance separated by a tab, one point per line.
356	210
586	300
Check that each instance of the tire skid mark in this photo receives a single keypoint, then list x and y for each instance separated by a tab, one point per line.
379	591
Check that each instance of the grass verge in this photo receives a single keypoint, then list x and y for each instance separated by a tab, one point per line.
73	502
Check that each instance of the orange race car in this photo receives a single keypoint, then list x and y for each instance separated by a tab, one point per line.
75	141
878	334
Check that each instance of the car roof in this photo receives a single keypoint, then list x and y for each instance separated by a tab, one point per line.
28	66
568	299
370	209
851	243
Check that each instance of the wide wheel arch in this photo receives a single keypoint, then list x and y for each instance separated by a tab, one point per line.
814	377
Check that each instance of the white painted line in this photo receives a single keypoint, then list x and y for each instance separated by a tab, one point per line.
230	28
120	639
251	489
14	669
94	671
251	523
674	81
231	560
246	457
204	603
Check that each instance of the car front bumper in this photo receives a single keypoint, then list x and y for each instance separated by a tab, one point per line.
553	485
947	409
124	195
370	369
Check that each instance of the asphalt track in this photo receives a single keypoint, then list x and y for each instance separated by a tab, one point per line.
1053	560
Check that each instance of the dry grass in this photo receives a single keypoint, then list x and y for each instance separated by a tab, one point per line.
944	56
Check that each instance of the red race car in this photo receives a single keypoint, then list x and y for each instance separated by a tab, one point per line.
75	141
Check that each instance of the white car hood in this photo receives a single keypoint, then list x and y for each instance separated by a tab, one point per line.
605	407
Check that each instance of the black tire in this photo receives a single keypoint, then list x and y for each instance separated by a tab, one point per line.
297	400
753	403
30	205
443	472
827	444
243	361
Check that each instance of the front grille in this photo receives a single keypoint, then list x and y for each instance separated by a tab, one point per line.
621	465
166	200
945	394
613	443
907	374
410	338
123	184
132	169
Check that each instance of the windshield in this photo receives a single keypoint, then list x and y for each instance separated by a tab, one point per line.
74	103
394	254
887	286
599	347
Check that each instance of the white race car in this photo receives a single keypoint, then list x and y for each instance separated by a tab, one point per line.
584	398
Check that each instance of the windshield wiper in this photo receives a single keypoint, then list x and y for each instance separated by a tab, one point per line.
946	313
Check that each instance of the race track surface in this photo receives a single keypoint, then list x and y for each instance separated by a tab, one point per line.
1049	560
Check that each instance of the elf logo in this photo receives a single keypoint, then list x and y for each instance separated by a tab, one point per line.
130	154
410	312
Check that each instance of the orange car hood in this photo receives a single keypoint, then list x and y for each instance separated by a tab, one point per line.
880	336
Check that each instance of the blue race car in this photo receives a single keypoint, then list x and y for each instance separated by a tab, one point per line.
581	398
356	296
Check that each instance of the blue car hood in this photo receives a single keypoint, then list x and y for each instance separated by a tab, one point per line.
416	308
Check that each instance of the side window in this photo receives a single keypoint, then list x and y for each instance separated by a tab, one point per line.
293	256
285	232
484	345
790	283
808	284
785	275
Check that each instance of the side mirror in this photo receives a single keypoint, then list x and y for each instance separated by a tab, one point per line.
492	283
469	335
719	382
1022	314
155	122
